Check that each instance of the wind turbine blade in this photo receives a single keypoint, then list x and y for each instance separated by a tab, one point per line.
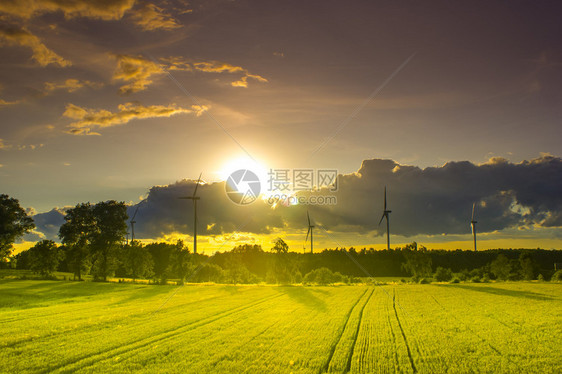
473	207
308	216
307	233
384	198
135	214
197	185
137	208
381	219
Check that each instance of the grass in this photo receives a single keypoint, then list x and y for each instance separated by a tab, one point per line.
54	326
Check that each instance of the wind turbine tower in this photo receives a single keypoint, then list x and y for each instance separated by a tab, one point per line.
473	223
133	221
194	197
385	214
310	228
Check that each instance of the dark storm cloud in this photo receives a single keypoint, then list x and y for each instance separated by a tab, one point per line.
46	225
433	200
430	201
438	200
164	213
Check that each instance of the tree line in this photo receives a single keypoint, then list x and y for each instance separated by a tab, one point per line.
93	236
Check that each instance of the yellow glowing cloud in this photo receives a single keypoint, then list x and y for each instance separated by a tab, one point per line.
146	15
150	17
243	82
137	71
176	63
89	118
43	55
6	103
98	9
21	147
223	67
69	85
217	67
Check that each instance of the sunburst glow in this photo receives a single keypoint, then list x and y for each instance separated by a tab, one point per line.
247	163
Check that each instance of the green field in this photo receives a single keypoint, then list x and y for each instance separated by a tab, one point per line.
54	326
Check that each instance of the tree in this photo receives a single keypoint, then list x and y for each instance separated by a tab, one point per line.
76	234
137	261
109	232
161	256
323	276
23	260
180	264
442	274
14	223
280	246
45	257
237	273
281	270
529	268
501	267
418	261
247	249
208	273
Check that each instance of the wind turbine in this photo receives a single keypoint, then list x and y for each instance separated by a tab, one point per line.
133	221
310	227
385	215
473	224
194	198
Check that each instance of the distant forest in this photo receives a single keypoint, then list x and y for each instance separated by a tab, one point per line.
161	262
93	239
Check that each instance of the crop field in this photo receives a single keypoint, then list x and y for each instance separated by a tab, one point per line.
55	326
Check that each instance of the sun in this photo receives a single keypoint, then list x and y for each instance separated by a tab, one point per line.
245	163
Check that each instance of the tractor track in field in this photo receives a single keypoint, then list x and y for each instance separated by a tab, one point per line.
324	368
396	362
91	359
264	351
99	325
403	333
19	319
483	340
216	361
238	346
352	349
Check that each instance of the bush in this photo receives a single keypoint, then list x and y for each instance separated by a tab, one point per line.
353	279
208	273
45	257
240	275
298	277
425	280
485	279
463	275
557	277
443	275
455	280
323	276
476	279
540	278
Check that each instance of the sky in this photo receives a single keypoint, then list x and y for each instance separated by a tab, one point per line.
447	104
